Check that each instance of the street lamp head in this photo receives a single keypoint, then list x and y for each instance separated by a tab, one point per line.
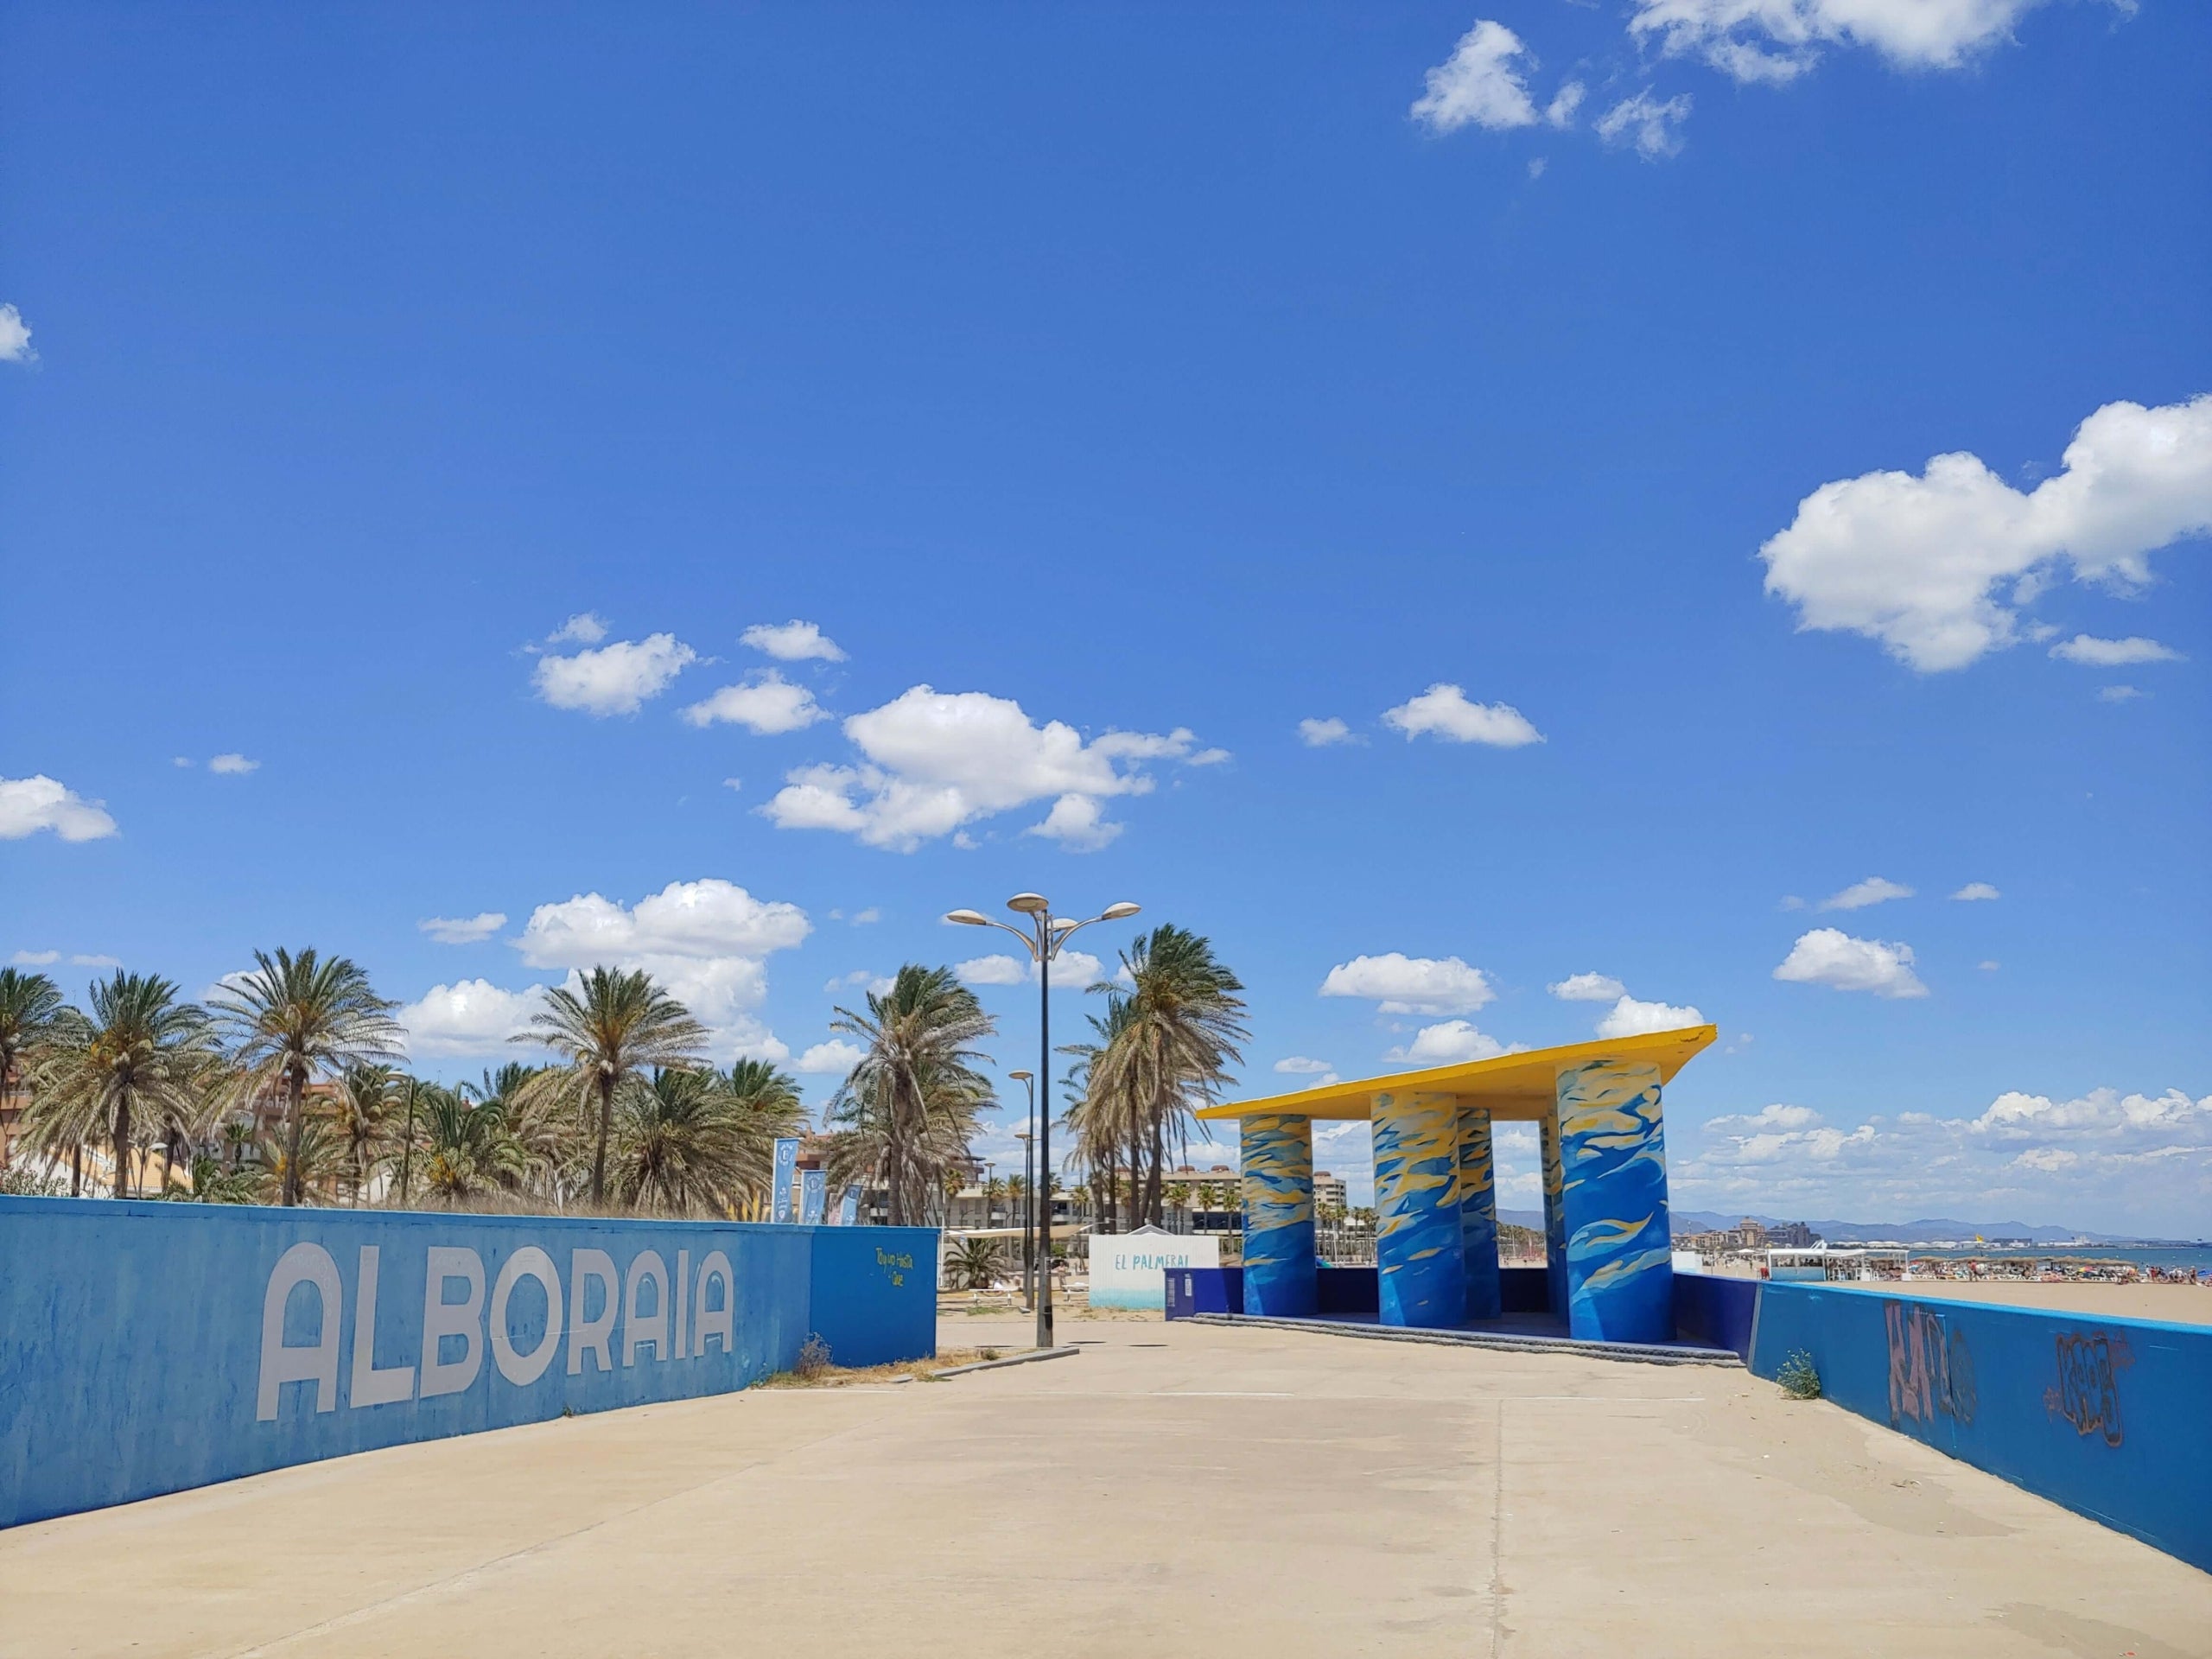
1064	924
1021	1077
967	917
1116	912
1029	903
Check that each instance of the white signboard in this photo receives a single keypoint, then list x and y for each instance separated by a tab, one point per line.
1130	1269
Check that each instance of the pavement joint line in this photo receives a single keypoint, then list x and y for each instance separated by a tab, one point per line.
1031	1357
1644	1353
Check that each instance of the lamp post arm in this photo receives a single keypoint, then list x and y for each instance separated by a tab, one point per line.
1028	943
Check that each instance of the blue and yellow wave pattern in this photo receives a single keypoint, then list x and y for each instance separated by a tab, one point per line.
1277	1155
1620	1279
1418	1247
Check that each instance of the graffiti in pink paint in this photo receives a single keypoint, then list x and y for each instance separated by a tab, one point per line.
2088	1395
1931	1371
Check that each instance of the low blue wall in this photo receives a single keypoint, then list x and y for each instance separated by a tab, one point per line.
146	1348
1722	1312
1204	1290
2109	1417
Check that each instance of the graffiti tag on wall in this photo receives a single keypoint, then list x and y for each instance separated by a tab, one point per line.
1931	1371
2088	1395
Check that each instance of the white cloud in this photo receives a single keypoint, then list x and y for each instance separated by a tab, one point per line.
95	962
1874	890
2113	653
835	1057
1072	970
705	941
1452	1043
1076	821
1405	984
2103	1160
1588	988
1444	711
471	1017
1830	956
1974	891
36	958
233	766
616	679
1777	41
792	642
1560	112
1297	1066
734	784
463	930
1478	85
1650	123
2117	693
864	918
1320	734
1937	568
15	337
877	984
184	760
30	805
933	761
766	704
1537	167
1629	1018
584	628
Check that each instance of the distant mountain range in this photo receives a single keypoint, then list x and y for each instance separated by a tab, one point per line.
1927	1231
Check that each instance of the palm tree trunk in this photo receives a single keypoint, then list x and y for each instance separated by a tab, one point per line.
76	1169
120	1186
606	1122
295	1085
1155	1209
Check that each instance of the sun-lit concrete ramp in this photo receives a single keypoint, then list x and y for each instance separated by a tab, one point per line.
1173	1489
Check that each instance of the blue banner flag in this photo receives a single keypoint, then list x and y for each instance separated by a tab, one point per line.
786	1164
848	1207
813	1192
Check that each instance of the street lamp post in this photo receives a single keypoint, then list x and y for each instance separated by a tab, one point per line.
1028	1080
1049	932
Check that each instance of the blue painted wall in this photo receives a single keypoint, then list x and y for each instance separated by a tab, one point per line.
2110	1417
146	1348
1710	1308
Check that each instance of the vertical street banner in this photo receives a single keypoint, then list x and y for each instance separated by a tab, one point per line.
786	1165
848	1207
813	1193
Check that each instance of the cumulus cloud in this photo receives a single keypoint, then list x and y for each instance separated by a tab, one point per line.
1777	41
933	761
1480	85
1874	890
1443	711
472	1017
2104	1158
835	1057
1560	112
233	766
1629	1018
30	805
792	642
616	679
2113	653
1452	1043
1938	567
584	628
1975	890
15	337
1651	124
766	704
707	941
36	958
1320	733
463	930
1830	956
1588	988
1072	970
1405	984
1298	1065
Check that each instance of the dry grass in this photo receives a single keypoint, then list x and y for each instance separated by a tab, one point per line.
828	1376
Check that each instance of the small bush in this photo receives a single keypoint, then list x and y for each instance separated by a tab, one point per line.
21	1183
813	1356
1799	1377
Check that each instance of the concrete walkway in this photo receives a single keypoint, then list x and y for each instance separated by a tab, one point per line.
1172	1489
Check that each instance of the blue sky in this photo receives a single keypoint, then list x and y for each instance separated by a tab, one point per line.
1113	390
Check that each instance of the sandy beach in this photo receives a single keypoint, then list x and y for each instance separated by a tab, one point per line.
2176	1304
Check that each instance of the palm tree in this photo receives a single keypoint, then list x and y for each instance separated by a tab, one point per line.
1169	1043
141	1056
466	1145
681	1145
314	1155
368	1098
32	1014
618	1026
906	1113
769	1110
976	1263
294	1017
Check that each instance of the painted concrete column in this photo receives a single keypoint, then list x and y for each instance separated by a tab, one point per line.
1478	1213
1555	1218
1418	1249
1277	1155
1620	1273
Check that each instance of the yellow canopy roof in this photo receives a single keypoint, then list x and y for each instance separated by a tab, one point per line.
1512	1085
